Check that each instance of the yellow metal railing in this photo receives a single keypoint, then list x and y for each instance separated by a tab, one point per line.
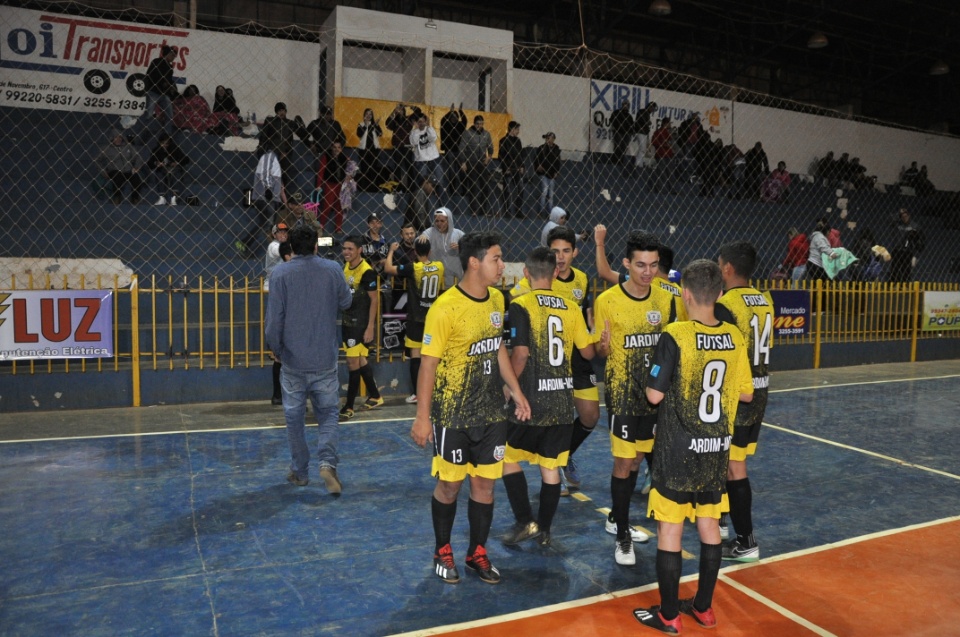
221	323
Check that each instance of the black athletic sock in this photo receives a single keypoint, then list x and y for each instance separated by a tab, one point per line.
741	503
516	486
669	564
414	373
633	480
709	569
620	492
481	517
443	515
549	501
580	434
353	388
277	392
366	372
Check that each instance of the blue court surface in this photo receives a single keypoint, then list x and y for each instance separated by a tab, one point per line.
178	520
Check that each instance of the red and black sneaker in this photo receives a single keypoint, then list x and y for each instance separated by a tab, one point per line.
444	566
652	618
706	619
480	563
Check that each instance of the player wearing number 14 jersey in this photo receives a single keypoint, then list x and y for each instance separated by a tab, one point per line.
752	313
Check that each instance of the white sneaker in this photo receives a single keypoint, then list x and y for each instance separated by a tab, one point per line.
411	399
173	200
162	201
624	553
636	534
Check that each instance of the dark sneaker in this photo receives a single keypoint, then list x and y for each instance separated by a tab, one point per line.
292	478
706	619
571	473
736	552
346	414
652	618
521	532
330	480
276	400
373	403
444	566
544	539
480	564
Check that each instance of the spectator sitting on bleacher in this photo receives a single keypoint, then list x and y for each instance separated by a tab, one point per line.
841	168
923	185
776	186
226	112
167	160
120	162
191	111
826	169
297	215
858	175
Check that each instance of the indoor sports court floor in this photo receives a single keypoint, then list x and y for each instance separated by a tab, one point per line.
177	520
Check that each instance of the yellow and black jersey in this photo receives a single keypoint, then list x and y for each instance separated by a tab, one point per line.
550	325
635	326
465	334
752	313
576	287
424	284
361	280
702	371
675	290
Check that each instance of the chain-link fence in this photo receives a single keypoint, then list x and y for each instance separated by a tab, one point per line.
85	176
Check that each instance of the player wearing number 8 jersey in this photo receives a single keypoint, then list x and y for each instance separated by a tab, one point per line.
460	401
752	313
699	375
424	280
629	319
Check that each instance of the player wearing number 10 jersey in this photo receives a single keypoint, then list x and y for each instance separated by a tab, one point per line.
752	313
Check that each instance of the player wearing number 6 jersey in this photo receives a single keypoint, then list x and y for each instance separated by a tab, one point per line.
699	375
752	313
545	327
460	401
424	281
629	319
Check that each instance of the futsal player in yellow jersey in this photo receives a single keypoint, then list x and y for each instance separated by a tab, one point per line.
574	284
358	325
464	364
631	316
752	313
546	327
699	375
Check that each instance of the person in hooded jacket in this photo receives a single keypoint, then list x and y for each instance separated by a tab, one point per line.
445	242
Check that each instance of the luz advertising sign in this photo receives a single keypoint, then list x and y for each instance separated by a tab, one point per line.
40	324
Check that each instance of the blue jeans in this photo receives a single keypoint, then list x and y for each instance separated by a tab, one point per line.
324	392
163	100
546	193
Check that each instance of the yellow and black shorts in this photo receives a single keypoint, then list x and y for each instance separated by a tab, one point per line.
547	446
353	342
474	451
414	336
680	506
631	435
584	378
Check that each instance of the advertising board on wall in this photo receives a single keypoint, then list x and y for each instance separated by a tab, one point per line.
43	324
791	312
941	312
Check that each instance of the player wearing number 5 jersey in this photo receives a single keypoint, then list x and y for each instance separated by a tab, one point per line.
752	313
629	319
699	374
545	327
424	281
460	401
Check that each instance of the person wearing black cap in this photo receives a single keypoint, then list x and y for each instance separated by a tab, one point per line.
161	88
375	246
511	166
277	136
547	165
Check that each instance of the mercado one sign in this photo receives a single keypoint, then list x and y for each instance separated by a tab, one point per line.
42	324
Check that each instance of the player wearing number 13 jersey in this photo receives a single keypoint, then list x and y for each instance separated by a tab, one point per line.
752	313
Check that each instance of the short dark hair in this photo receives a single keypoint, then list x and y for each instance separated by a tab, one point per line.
477	118
639	241
303	239
704	281
476	244
562	233
422	247
355	239
741	255
666	259
541	263
285	249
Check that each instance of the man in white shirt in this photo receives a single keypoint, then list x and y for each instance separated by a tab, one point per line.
426	155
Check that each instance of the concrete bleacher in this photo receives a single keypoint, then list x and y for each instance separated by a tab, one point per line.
47	164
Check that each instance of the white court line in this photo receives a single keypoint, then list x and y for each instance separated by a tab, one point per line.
861	382
542	610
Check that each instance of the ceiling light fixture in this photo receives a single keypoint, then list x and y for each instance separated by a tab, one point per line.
939	68
660	8
818	40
